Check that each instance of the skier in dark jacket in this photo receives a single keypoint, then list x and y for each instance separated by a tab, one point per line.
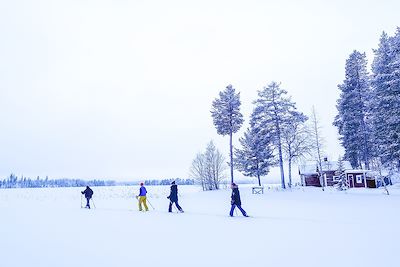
88	195
235	200
173	197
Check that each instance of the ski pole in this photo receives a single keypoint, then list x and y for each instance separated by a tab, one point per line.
93	203
175	207
81	202
150	204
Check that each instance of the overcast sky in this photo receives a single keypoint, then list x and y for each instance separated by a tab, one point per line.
123	89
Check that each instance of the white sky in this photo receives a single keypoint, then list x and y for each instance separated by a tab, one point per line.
123	89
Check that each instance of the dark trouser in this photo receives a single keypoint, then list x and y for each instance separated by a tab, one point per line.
239	207
87	202
177	205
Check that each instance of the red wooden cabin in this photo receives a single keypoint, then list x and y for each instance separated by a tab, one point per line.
309	173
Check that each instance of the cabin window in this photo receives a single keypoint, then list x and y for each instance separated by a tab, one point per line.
359	178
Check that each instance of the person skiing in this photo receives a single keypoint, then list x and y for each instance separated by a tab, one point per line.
235	200
88	195
173	197
142	197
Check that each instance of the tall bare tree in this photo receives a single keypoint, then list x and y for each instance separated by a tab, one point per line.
208	168
296	143
318	144
197	170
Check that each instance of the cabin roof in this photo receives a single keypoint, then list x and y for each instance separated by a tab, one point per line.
311	167
367	172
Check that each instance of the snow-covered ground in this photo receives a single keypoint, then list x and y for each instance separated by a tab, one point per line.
303	227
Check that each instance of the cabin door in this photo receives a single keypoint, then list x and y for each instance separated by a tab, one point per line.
351	180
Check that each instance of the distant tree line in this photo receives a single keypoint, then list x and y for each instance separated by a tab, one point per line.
14	182
178	181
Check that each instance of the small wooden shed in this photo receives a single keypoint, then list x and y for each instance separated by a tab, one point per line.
361	178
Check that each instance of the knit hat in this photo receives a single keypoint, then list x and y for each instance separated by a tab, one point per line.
141	183
173	182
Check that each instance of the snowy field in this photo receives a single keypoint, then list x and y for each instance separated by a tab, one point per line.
303	227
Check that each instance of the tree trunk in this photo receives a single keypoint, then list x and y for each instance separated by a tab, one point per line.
231	155
281	165
318	146
258	175
321	181
384	185
290	172
366	150
364	131
280	153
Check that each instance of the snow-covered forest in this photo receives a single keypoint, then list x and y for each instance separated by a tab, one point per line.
368	117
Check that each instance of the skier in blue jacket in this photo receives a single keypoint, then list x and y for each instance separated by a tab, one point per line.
142	197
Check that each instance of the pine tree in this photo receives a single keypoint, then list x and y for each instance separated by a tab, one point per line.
353	111
227	117
386	108
342	184
271	115
255	157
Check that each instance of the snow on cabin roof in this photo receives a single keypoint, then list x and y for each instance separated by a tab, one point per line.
312	167
334	165
308	169
356	171
368	172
